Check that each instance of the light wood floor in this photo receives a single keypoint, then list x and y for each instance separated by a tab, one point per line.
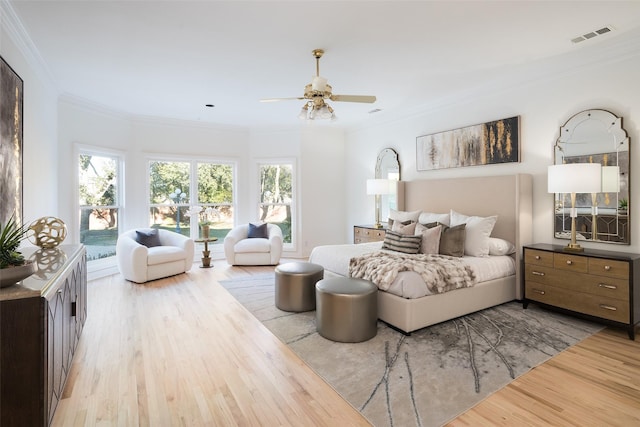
182	351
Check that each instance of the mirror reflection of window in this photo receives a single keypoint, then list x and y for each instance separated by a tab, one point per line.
388	166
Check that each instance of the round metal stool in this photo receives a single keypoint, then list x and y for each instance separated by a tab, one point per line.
346	309
295	285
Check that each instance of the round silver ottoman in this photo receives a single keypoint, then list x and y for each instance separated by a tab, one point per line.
346	309
295	285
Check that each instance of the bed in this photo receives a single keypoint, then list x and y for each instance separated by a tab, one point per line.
508	196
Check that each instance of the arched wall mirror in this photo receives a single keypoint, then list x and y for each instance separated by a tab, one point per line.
595	136
388	167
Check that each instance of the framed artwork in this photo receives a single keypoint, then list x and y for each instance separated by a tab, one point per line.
484	144
11	100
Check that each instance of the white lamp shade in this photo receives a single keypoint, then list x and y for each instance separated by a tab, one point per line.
379	186
575	178
610	179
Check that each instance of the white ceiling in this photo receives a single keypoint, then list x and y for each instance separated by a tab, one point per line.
169	58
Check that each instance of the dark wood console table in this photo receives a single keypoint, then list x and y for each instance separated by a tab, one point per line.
41	319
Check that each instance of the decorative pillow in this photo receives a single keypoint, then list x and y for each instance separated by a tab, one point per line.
429	217
148	238
403	215
430	238
401	243
402	228
500	246
390	223
452	239
478	231
258	231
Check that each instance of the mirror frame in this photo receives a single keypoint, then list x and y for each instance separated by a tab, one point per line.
387	157
595	136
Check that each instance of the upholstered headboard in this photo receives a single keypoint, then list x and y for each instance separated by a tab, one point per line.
508	196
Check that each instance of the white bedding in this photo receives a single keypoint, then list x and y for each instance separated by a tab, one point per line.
335	258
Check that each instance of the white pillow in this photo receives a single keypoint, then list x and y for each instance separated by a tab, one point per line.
429	217
500	246
478	230
403	216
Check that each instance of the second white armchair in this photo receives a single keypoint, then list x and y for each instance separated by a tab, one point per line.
240	249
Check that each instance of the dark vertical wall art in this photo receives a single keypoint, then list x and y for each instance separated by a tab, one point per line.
483	144
11	99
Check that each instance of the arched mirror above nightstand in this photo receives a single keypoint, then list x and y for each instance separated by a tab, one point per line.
388	167
595	136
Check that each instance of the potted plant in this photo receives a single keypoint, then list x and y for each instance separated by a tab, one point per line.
623	205
13	266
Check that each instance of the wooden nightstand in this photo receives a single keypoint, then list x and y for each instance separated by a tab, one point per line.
368	233
603	285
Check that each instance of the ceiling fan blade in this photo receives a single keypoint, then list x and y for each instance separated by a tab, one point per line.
281	99
354	98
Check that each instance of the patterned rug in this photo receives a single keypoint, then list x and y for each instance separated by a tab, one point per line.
431	376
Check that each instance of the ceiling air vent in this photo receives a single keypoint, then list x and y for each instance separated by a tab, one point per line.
592	34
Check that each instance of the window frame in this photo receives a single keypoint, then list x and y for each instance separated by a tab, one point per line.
119	156
288	247
193	187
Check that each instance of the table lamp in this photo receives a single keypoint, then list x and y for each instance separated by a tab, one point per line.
378	187
574	178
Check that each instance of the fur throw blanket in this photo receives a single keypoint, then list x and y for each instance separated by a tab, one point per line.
441	273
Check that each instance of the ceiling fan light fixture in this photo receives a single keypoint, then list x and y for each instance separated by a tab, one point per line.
318	84
304	112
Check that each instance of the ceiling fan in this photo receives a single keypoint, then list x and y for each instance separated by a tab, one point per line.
317	92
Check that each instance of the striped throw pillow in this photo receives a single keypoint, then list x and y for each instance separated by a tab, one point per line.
394	241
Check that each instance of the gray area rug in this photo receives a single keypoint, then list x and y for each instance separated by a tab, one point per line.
431	376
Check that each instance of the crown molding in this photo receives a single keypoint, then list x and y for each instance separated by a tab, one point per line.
20	37
95	107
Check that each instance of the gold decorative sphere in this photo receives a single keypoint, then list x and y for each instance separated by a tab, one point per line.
48	232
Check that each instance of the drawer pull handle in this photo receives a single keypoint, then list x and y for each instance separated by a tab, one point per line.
537	256
604	285
608	307
538	291
607	267
569	262
537	273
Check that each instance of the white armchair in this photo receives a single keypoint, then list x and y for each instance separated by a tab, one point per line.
141	264
239	249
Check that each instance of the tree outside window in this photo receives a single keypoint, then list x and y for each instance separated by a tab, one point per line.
99	202
276	197
172	204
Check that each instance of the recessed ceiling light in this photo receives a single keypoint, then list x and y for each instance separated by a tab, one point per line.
209	105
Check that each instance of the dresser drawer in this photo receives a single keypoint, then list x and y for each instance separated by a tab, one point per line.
594	305
534	257
364	235
578	282
609	268
569	262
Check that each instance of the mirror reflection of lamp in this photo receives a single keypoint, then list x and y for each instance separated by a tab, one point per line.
378	187
574	178
610	184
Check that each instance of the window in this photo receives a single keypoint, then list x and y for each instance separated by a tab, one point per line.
99	177
183	195
276	198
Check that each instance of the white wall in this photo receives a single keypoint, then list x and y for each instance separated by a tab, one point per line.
40	154
543	106
319	154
